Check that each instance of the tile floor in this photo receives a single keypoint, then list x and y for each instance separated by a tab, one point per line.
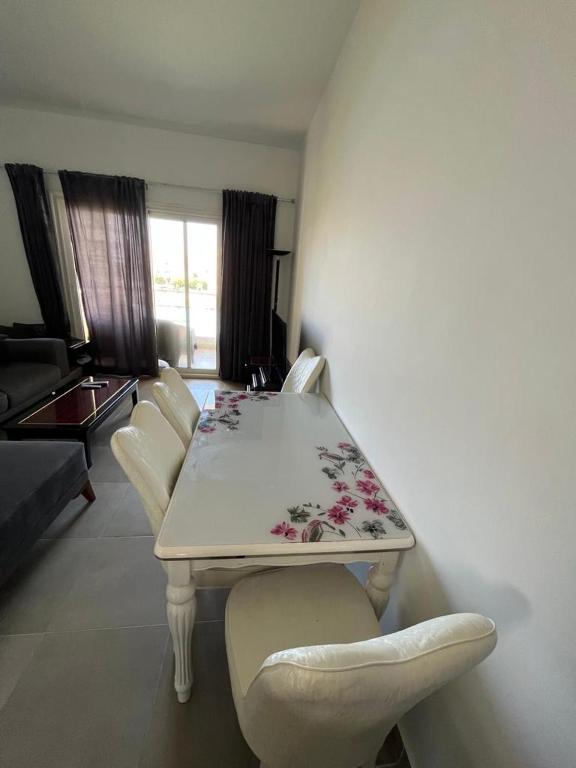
85	655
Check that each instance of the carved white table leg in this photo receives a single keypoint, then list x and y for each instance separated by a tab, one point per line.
380	579
181	610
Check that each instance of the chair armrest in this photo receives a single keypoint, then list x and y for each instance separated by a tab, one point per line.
52	351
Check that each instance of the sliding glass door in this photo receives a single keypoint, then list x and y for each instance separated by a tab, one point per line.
185	272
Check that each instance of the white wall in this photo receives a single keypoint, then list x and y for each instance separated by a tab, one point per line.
81	144
437	272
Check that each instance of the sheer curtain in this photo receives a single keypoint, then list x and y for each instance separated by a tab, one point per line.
248	226
108	227
69	278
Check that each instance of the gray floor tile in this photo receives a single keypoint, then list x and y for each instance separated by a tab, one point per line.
84	700
29	599
118	418
204	732
121	584
105	468
130	518
86	584
83	520
16	652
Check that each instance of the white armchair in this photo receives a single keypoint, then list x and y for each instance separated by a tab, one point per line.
304	374
315	684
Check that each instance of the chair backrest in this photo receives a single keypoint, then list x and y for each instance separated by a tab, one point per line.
303	375
168	335
333	705
151	454
177	403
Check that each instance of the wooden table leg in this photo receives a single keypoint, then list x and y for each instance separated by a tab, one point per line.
88	492
380	579
181	610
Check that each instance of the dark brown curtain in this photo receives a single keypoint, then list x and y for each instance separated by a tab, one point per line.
39	239
248	224
107	217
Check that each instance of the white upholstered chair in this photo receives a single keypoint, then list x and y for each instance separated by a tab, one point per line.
151	454
177	403
315	684
305	372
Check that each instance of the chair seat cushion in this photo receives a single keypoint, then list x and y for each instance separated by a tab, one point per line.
21	381
292	608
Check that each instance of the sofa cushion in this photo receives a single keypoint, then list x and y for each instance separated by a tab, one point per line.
21	381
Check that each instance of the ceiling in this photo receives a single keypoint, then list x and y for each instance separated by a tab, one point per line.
252	70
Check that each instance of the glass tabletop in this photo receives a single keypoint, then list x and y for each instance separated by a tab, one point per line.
270	474
77	406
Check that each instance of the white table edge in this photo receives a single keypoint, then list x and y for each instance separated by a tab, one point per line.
287	549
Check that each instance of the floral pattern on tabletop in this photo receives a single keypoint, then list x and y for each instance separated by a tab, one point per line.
227	413
359	508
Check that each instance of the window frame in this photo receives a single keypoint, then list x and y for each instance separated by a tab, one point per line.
185	215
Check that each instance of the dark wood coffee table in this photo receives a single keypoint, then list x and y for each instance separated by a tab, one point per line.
73	414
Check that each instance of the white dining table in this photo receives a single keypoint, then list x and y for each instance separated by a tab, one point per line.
272	480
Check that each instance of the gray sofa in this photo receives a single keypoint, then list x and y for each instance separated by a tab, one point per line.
37	480
31	369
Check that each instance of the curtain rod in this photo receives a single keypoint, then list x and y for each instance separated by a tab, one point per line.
177	186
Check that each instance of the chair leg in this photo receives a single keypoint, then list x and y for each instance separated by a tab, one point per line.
88	492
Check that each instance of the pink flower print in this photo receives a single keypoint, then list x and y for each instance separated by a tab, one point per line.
242	397
348	501
339	486
368	473
338	515
313	531
206	428
344	446
283	529
376	506
367	486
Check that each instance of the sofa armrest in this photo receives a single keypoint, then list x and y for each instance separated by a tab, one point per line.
52	351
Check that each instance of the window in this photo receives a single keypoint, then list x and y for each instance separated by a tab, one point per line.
185	261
